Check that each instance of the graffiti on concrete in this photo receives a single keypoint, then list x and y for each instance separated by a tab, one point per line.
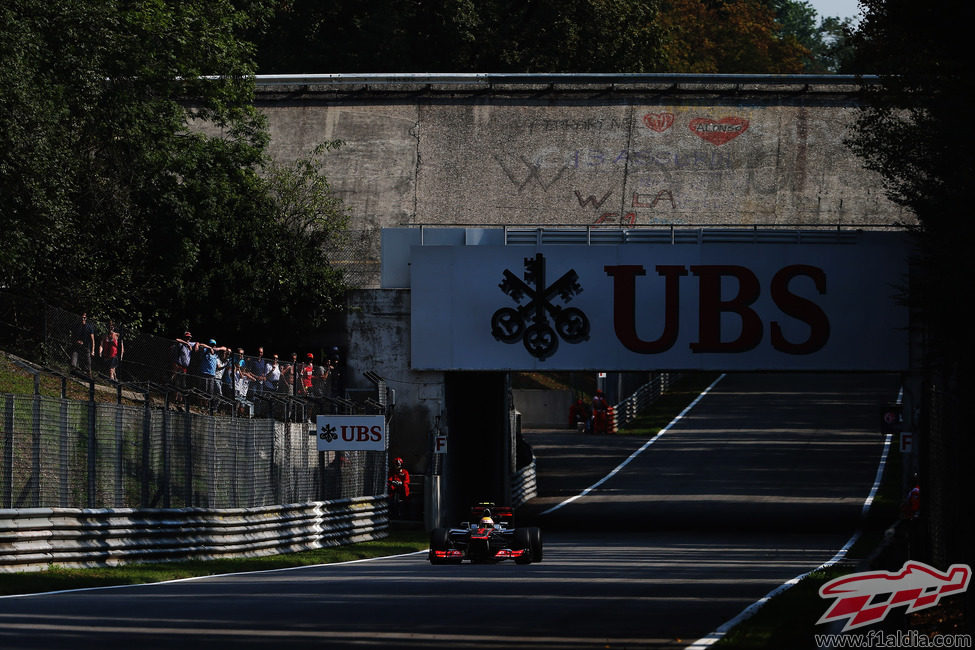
644	202
579	124
718	132
591	200
534	170
662	159
658	122
648	201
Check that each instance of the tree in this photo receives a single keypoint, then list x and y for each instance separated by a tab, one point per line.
727	36
131	159
461	36
827	40
911	130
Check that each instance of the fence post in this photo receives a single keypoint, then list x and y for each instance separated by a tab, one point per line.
188	458
63	452
92	444
146	441
119	453
211	462
35	487
6	499
164	453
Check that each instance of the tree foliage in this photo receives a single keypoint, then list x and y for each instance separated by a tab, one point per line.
114	197
911	129
732	36
624	36
460	36
908	131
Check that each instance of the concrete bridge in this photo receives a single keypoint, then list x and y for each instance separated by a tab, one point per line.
586	151
614	150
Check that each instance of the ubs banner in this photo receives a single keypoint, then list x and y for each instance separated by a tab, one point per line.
715	306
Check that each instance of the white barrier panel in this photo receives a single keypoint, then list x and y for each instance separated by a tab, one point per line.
35	538
710	306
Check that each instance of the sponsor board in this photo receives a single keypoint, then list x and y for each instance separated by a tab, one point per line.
718	306
351	432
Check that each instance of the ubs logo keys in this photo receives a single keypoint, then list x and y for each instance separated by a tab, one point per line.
529	321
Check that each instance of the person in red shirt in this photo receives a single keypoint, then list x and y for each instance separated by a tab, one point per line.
399	489
111	351
600	413
307	372
578	415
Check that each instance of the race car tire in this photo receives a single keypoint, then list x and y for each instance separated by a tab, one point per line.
523	541
440	541
535	541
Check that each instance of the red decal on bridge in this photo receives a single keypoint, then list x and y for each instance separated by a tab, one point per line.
659	122
718	132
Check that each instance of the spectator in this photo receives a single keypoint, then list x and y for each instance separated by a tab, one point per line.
321	386
222	365
82	344
307	373
181	352
288	370
259	369
242	383
273	374
111	350
208	366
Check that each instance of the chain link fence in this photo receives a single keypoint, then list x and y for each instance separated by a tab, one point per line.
64	453
173	438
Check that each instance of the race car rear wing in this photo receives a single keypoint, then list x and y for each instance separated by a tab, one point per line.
500	514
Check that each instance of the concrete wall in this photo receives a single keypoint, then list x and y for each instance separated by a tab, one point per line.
705	154
543	409
378	330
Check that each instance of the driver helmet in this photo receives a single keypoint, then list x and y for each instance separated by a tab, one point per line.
487	522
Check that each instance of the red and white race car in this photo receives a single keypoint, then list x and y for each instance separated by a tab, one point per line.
489	536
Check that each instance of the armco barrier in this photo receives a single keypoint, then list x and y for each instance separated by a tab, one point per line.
524	485
35	538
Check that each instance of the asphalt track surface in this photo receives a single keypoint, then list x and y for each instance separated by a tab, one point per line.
762	481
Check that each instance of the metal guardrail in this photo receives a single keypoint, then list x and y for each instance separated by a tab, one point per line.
35	538
565	79
524	485
628	409
596	235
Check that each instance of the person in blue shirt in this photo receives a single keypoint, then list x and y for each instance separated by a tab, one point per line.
208	366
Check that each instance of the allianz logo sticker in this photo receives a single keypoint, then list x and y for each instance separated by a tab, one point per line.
865	598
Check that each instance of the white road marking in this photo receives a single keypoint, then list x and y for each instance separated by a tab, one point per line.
638	451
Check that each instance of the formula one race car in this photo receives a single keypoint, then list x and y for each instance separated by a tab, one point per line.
490	536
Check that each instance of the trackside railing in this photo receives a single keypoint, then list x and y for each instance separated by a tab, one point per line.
36	538
628	409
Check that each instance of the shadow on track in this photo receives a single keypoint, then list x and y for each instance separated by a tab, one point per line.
760	453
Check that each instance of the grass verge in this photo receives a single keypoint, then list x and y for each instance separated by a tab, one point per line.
56	578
